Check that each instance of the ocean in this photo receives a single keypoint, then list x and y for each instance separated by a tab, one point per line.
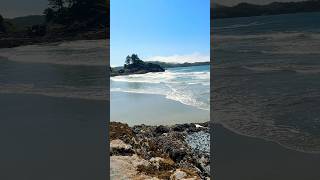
75	69
188	87
53	100
266	82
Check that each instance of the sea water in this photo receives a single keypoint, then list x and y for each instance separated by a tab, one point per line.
186	85
267	78
53	109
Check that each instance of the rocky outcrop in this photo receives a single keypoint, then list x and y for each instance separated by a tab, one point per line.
160	152
141	68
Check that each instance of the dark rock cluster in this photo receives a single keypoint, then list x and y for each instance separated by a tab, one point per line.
168	143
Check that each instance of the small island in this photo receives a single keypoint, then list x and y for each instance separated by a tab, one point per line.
134	65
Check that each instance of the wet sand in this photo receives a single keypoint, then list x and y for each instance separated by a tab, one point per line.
52	138
238	157
137	109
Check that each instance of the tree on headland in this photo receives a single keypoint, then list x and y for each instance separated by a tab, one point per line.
89	13
2	25
57	4
128	60
133	59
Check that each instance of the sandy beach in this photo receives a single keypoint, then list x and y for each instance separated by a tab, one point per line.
60	136
242	157
138	108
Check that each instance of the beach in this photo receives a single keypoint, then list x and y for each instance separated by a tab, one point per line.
265	97
148	109
60	136
53	111
178	95
159	124
242	157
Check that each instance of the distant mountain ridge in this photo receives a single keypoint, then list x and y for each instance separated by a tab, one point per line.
27	21
274	8
172	65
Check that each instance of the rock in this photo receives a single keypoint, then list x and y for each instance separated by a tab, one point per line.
138	67
199	126
161	163
180	127
204	164
178	174
118	147
183	127
177	154
162	149
125	167
199	141
161	129
120	131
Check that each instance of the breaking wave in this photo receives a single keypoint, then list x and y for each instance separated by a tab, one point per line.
186	85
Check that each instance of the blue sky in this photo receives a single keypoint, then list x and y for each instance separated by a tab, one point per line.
166	30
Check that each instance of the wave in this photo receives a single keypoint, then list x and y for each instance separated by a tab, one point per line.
235	26
277	36
277	133
261	117
291	43
82	52
165	77
189	88
303	69
175	94
86	93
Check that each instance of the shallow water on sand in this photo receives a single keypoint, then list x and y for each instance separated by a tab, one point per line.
267	81
53	111
137	108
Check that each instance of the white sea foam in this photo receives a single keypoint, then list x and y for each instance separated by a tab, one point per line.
89	93
84	52
235	26
190	88
296	43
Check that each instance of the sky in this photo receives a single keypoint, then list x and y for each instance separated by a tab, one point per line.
166	30
234	2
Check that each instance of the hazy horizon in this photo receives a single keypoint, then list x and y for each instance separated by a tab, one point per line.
18	8
260	2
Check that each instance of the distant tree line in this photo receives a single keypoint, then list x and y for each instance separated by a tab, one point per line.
5	26
93	13
2	25
246	9
61	16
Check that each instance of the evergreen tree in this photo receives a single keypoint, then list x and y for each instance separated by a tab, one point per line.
2	25
135	59
128	60
57	4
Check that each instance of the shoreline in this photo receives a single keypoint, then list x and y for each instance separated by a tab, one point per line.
275	161
159	152
267	140
17	40
161	110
